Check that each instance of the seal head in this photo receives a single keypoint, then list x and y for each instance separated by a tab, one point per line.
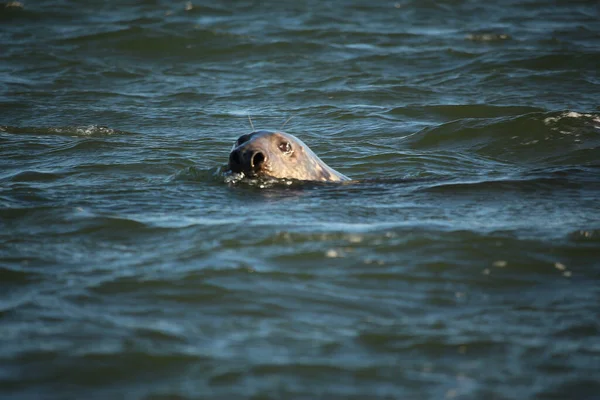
279	155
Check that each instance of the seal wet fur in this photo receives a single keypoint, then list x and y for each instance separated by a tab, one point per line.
279	155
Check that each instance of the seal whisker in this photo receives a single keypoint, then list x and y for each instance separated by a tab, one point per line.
251	124
286	121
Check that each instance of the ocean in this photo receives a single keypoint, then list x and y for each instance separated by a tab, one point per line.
461	262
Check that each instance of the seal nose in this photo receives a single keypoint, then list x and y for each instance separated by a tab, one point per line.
240	160
257	159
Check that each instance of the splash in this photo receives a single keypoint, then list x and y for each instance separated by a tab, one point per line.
237	178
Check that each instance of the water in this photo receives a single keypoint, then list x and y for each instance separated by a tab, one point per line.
463	261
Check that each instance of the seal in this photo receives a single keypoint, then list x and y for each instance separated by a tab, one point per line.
279	155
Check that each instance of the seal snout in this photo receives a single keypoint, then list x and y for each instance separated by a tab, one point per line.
246	160
234	159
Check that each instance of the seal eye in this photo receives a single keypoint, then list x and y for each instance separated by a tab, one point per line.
285	147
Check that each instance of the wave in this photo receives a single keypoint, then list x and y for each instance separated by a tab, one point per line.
591	236
565	137
33	176
507	185
462	111
83	131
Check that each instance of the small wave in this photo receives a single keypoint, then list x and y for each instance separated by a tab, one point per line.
460	111
204	10
585	235
10	275
488	37
34	176
90	130
502	186
528	138
534	180
198	175
10	9
148	42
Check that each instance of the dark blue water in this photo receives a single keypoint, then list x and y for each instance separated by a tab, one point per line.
462	262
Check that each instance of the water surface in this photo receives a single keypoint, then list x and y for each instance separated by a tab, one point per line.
464	262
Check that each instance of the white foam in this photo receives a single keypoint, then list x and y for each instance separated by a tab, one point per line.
571	114
85	130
